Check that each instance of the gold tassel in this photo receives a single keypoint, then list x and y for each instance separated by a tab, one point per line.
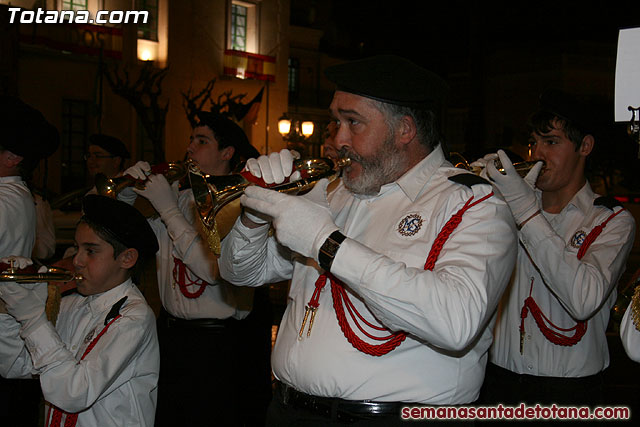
213	238
635	307
52	308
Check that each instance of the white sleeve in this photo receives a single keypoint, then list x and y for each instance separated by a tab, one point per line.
630	335
15	361
189	245
74	385
249	257
581	285
45	245
449	306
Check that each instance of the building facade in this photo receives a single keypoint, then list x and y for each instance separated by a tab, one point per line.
238	48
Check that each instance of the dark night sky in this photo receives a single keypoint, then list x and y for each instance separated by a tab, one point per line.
430	32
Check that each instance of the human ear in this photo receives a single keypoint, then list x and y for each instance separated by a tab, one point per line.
10	159
128	258
406	129
227	153
587	145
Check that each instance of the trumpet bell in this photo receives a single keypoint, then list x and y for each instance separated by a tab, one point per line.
110	187
212	193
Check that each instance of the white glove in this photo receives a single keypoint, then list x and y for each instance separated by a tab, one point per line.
160	193
19	262
302	223
480	166
517	192
138	171
164	198
275	167
26	302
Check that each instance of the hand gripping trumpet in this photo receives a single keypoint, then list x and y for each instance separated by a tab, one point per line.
8	273
213	193
112	186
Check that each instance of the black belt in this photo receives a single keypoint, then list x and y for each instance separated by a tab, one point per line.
174	322
340	409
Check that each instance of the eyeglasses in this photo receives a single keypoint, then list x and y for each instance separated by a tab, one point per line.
88	156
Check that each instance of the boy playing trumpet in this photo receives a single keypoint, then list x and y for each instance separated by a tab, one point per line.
99	365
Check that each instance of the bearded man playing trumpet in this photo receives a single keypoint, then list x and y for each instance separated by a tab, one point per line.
414	251
200	326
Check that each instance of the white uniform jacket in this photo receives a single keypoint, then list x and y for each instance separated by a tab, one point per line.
116	382
446	312
17	218
220	300
566	289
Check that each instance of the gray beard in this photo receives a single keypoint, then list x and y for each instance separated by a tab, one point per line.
382	168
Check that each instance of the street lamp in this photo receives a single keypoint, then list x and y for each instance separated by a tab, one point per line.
307	128
284	125
296	133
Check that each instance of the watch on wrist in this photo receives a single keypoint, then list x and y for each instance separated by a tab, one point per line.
329	248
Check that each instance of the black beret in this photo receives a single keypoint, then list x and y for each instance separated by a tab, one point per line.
124	222
25	131
227	133
391	79
579	111
113	145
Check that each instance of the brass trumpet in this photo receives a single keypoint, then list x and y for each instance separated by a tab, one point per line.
8	273
522	168
212	193
110	187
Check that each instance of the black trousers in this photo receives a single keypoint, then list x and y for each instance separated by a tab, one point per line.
20	402
213	375
503	386
506	387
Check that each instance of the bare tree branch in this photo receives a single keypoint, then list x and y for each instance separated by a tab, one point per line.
144	95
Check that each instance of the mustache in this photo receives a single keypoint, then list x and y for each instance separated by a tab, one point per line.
345	152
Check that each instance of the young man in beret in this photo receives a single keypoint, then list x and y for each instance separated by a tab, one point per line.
372	246
200	324
550	344
99	365
26	138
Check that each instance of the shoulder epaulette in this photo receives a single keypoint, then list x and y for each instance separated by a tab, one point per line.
607	202
115	310
468	179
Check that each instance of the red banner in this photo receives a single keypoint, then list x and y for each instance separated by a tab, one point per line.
84	39
245	65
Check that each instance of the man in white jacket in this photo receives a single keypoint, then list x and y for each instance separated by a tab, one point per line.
394	277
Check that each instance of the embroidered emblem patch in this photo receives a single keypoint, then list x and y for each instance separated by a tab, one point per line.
410	225
578	239
89	336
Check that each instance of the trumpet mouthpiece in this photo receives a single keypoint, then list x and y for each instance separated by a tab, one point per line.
343	162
